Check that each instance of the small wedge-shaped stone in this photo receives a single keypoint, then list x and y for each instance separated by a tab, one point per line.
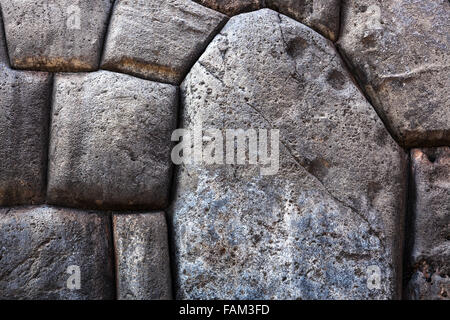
327	223
24	113
61	35
430	253
110	141
142	256
400	53
321	15
52	253
232	7
158	39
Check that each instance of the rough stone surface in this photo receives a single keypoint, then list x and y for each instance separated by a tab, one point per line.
110	141
38	244
335	207
158	39
321	15
62	35
24	112
430	254
232	7
399	51
142	255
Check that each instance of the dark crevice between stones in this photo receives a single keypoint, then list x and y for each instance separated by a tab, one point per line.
105	35
114	69
50	100
341	21
114	258
3	30
167	213
408	238
359	84
172	254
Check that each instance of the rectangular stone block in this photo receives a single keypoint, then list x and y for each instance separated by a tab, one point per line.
24	113
430	233
142	255
157	39
110	141
53	253
61	35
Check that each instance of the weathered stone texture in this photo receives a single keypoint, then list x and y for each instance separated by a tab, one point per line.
38	244
158	39
430	254
24	112
59	35
110	141
399	51
232	7
336	205
321	15
142	255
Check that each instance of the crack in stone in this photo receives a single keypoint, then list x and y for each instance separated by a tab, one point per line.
296	76
299	162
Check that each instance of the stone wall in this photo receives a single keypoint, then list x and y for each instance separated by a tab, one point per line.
93	207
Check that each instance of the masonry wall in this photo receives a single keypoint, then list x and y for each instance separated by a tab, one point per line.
353	94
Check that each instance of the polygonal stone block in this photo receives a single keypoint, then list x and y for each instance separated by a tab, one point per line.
142	256
24	114
321	15
157	39
110	141
430	232
59	35
326	223
400	52
52	253
231	7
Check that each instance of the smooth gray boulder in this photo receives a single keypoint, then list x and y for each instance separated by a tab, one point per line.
232	7
158	39
44	249
110	141
64	35
399	51
430	232
142	256
330	220
321	15
24	114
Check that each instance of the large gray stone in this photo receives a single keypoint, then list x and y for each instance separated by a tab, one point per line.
232	7
24	113
332	213
400	52
158	39
142	256
110	141
430	253
39	244
321	15
62	35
